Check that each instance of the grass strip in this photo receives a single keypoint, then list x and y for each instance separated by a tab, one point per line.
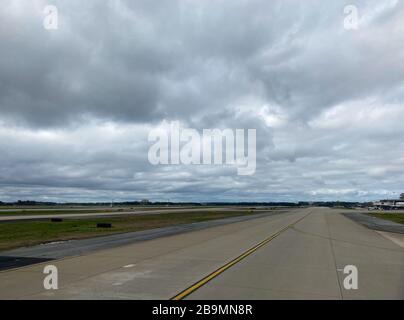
28	233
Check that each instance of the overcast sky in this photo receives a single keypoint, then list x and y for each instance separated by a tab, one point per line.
77	103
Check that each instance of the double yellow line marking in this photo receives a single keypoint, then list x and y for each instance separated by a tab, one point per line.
228	265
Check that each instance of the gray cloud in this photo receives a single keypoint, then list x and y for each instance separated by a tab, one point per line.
76	104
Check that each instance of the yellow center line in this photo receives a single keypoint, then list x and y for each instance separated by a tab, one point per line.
214	274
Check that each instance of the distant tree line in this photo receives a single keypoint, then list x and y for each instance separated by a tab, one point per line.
121	203
168	203
27	203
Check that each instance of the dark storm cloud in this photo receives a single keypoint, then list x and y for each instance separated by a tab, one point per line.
136	61
77	103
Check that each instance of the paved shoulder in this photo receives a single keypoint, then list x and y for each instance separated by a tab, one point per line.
375	223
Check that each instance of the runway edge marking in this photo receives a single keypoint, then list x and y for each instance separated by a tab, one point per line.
231	263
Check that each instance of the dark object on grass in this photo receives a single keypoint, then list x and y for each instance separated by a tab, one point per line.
56	220
104	225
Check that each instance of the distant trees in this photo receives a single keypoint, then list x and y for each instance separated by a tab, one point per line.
402	196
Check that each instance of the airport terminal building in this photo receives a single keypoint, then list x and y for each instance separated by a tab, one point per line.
389	204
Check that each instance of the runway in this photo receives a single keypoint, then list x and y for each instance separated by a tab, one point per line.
298	254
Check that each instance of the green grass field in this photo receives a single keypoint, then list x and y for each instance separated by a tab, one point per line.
28	233
395	217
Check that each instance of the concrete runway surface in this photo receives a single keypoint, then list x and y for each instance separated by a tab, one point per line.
300	255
